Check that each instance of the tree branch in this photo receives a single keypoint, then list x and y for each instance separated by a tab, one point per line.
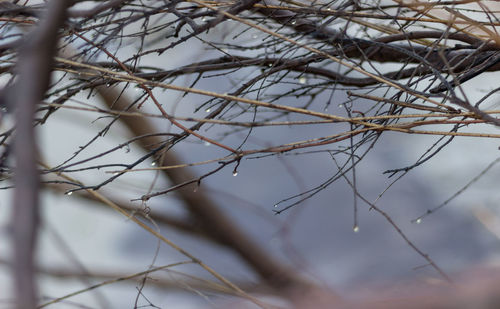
34	67
205	213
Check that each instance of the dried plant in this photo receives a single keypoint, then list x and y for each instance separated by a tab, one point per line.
363	68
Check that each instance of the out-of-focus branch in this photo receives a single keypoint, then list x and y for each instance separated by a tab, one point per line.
178	224
380	50
307	53
205	213
206	218
182	282
303	65
33	68
95	10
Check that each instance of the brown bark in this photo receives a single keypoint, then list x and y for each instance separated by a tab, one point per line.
205	213
33	68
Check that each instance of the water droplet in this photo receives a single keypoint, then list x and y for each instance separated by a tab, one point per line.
294	22
153	164
195	189
325	109
341	105
203	18
108	84
418	221
69	193
116	173
137	88
355	229
206	143
270	65
302	80
329	9
207	110
235	173
254	36
275	206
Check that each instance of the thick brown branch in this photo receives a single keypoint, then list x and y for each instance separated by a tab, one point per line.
207	215
33	68
380	50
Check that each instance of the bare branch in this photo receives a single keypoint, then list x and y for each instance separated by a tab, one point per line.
33	69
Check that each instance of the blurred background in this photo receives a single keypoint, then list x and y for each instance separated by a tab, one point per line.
332	239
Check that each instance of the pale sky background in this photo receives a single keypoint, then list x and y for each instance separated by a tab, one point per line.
320	229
